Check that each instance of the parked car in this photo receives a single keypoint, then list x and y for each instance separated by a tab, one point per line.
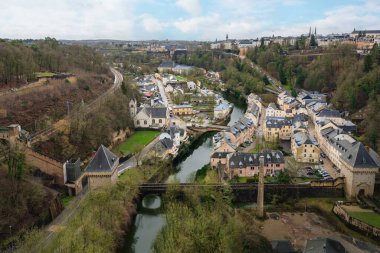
323	155
320	161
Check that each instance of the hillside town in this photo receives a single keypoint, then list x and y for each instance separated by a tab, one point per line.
190	126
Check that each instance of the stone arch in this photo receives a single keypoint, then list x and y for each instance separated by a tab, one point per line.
362	189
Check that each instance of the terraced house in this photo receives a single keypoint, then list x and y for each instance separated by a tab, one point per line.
247	164
241	131
305	148
277	128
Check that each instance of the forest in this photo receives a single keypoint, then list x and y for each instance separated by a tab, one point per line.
20	61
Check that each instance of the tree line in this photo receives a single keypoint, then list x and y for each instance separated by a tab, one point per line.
19	61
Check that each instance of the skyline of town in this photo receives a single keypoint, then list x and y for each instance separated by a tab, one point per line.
182	19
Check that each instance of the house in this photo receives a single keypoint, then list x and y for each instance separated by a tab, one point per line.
305	148
165	146
254	99
102	168
324	245
277	128
182	69
273	111
247	164
149	117
191	85
219	160
169	88
306	97
242	130
166	66
177	134
281	99
253	112
224	142
183	110
357	163
221	111
326	114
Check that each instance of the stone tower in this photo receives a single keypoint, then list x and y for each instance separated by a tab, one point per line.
133	107
260	190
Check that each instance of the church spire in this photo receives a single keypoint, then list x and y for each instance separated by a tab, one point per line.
310	31
315	31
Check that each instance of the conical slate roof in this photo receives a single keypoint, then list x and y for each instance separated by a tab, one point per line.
103	161
358	157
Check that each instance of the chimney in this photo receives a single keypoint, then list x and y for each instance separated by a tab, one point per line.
260	191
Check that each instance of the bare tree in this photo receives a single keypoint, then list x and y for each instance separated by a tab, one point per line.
137	152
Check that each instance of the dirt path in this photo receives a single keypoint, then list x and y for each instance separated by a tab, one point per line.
300	227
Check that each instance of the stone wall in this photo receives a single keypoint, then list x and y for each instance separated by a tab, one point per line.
363	227
45	164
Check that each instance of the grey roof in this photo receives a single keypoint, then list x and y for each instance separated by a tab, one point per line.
222	106
254	109
156	112
358	157
242	160
355	154
167	64
329	113
183	106
220	154
166	143
273	106
300	117
323	245
277	122
241	125
301	138
282	246
103	161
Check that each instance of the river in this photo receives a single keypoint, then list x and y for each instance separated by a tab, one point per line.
147	224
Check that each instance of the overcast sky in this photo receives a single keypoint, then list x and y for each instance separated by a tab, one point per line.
182	19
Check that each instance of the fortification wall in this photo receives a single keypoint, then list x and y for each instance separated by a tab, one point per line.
45	164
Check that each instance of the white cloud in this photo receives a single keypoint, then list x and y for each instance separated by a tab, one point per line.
191	6
151	24
85	19
340	20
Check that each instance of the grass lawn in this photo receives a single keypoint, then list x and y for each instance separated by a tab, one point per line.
66	200
370	218
44	74
138	138
181	78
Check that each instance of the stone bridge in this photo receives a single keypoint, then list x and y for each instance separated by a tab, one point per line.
247	192
206	128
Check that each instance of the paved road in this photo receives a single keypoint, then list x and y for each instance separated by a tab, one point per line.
162	92
259	132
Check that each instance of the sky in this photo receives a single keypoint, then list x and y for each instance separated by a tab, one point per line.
204	20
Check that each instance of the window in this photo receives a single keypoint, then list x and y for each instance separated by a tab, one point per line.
304	151
304	155
160	120
153	121
240	171
145	122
